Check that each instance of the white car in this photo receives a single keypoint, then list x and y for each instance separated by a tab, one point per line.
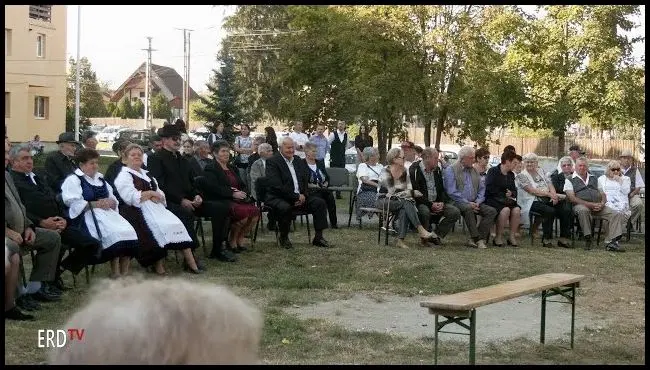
108	134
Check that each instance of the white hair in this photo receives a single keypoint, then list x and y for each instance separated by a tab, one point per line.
466	151
286	139
163	322
529	157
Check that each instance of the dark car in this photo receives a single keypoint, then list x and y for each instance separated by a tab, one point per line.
140	137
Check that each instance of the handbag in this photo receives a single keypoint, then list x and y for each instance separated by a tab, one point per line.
366	187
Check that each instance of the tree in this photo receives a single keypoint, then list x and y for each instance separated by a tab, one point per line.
111	107
138	109
91	101
126	109
222	103
160	107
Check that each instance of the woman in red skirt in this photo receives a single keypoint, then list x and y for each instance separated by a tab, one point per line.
226	184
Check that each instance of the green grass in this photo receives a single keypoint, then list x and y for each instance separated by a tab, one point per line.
275	279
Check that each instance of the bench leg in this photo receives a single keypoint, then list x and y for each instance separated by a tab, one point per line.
472	338
435	343
569	293
573	312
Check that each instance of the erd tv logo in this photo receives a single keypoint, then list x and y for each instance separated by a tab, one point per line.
50	338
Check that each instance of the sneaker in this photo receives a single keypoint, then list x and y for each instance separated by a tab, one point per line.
481	244
612	247
16	314
470	243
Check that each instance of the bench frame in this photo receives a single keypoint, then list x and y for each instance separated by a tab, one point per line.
567	291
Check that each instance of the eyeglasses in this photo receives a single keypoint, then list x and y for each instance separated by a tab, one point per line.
176	138
566	165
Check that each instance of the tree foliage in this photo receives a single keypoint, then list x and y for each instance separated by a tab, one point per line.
91	102
160	107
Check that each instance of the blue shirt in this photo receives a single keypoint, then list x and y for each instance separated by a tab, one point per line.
467	195
322	145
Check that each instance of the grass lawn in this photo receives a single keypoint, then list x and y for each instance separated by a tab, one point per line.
276	279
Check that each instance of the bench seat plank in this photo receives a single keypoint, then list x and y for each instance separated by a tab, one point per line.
472	299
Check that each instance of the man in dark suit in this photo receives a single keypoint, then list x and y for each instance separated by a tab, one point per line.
288	177
434	204
174	176
60	164
45	211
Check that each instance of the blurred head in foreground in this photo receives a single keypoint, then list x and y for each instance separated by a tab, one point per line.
162	322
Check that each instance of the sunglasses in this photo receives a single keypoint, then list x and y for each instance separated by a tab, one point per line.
616	169
176	138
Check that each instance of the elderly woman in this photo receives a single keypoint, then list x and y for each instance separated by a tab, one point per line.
94	207
537	195
163	322
616	187
319	181
501	194
224	183
396	195
144	207
368	173
564	208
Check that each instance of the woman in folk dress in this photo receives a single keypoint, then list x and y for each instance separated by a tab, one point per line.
144	207
92	204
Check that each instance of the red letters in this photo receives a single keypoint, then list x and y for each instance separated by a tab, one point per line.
76	334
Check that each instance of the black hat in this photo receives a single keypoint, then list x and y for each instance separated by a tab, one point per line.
87	135
67	137
155	137
169	131
576	148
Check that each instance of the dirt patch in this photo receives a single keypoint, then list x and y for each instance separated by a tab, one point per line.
403	316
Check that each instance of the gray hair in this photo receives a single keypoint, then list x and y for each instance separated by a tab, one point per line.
15	149
369	152
529	157
563	160
392	154
466	151
582	159
209	325
429	153
200	143
286	140
309	146
259	139
264	148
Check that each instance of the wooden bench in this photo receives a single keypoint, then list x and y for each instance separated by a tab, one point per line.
459	307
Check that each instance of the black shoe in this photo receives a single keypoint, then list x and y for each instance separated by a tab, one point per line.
563	245
612	247
334	227
187	268
285	242
58	284
27	303
52	289
224	256
241	249
321	242
42	295
436	241
15	314
270	227
199	264
494	243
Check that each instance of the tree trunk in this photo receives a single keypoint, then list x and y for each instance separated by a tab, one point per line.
381	140
560	143
440	124
427	131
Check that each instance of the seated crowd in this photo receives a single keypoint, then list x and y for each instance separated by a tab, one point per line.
148	203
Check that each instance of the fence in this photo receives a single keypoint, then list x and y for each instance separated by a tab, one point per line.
136	123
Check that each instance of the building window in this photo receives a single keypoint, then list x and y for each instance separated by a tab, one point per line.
40	45
7	42
142	94
7	104
41	12
41	107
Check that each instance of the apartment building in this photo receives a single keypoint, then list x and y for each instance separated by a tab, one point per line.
35	71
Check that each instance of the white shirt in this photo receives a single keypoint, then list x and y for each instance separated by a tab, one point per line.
296	187
371	172
568	186
616	193
300	138
341	136
638	181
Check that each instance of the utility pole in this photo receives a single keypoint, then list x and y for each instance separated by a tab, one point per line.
77	91
147	87
185	114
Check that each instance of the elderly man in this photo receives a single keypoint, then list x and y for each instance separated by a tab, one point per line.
257	171
582	191
88	140
60	164
287	177
175	178
630	170
202	153
467	189
21	235
426	177
45	211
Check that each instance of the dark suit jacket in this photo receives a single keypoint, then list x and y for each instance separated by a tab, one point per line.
39	199
58	167
195	166
320	165
218	186
280	181
419	182
174	175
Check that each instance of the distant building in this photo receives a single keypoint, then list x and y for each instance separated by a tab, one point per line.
35	71
164	80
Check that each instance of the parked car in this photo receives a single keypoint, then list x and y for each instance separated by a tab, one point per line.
140	137
108	134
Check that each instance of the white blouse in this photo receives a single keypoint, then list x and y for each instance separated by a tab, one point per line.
72	194
616	193
371	172
125	187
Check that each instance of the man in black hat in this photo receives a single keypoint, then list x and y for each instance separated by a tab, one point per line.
575	152
174	176
60	164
